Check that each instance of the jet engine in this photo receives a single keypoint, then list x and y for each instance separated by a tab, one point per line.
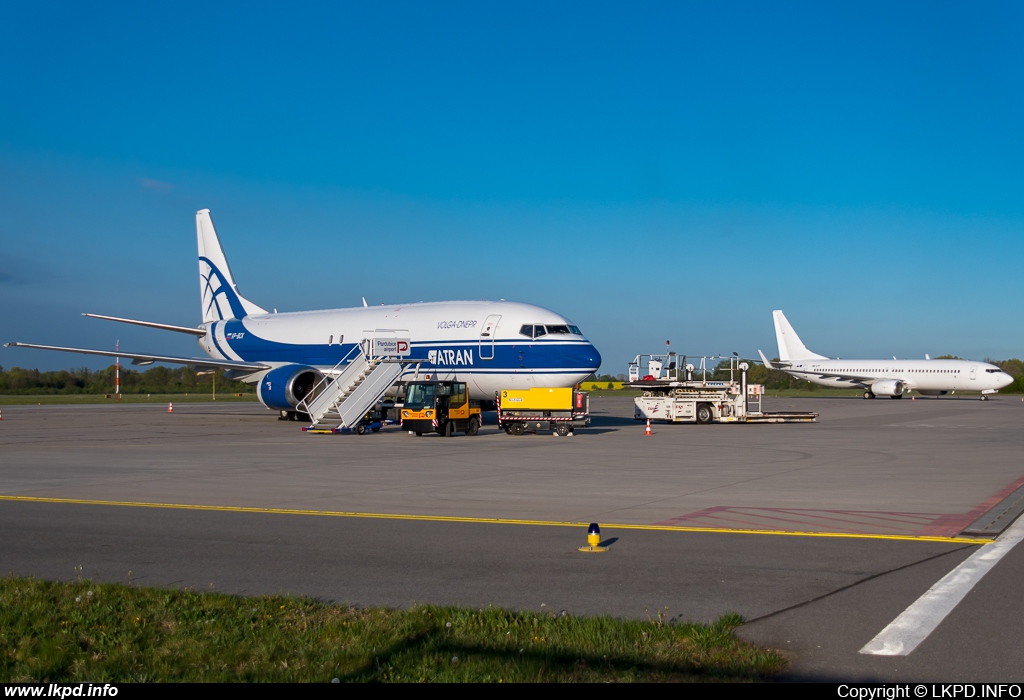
888	387
283	387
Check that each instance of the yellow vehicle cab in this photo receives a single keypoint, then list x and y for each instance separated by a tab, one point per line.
439	407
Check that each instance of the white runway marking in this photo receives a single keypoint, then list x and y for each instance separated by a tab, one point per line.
919	620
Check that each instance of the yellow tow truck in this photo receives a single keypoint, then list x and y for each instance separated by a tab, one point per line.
439	407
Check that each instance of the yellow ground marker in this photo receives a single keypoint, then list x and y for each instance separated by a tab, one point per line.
492	521
593	540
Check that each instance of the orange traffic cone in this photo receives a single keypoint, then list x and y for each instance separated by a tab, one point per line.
170	408
1	414
648	431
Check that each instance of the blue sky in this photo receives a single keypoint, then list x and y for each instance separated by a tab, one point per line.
653	171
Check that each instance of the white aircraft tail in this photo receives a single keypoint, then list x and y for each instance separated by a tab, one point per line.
790	346
218	291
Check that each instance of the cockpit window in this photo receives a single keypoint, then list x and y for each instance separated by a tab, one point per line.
536	330
994	370
532	330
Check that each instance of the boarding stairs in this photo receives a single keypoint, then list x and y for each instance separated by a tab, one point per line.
348	391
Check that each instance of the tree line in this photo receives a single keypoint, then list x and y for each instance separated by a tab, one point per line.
156	380
184	380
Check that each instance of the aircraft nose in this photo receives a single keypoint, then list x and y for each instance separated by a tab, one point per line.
590	357
1005	379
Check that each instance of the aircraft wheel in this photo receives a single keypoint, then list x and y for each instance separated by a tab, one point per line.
704	414
562	430
360	429
984	398
474	426
868	395
518	429
449	428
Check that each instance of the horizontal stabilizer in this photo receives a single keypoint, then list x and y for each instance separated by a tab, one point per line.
767	363
140	359
199	332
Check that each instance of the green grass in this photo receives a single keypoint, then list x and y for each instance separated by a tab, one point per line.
56	399
615	392
84	631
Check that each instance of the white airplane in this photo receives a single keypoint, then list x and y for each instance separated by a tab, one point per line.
491	345
892	378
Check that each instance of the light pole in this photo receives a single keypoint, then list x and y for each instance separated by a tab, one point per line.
212	379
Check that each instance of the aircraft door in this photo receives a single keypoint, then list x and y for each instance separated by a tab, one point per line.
487	337
974	372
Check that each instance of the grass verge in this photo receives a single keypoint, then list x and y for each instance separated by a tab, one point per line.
84	631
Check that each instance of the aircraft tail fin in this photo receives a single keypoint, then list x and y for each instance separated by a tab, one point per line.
218	291
790	345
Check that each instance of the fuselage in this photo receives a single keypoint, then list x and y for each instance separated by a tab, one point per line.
917	375
491	345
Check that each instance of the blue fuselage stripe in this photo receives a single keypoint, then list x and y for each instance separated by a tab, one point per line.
509	354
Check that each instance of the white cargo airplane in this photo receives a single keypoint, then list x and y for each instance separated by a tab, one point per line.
491	345
892	378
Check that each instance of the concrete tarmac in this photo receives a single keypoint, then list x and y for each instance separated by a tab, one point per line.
917	470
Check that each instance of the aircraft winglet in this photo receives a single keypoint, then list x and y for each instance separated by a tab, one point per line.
764	360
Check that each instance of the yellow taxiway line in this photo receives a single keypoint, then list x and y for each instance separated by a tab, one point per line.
493	521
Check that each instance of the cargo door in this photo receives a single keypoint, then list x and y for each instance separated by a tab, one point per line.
487	332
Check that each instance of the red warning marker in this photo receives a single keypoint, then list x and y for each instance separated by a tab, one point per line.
170	408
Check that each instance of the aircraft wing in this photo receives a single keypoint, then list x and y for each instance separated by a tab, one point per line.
862	380
140	359
859	378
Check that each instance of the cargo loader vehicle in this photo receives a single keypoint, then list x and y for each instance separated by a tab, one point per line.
677	392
